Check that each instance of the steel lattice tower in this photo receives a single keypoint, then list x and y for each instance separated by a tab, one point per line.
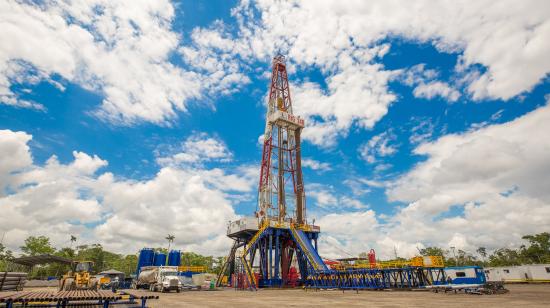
278	238
281	181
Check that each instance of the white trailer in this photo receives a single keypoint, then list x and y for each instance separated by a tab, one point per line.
507	273
538	272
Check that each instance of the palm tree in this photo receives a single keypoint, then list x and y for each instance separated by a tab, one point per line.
73	239
170	239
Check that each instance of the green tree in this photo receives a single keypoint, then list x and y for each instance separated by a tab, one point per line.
538	250
5	256
432	251
482	251
505	257
37	246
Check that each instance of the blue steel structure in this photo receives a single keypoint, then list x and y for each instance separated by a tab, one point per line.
273	251
376	278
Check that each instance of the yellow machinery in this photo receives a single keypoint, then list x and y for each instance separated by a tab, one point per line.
426	261
79	278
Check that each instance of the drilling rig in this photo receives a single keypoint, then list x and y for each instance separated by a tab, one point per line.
278	235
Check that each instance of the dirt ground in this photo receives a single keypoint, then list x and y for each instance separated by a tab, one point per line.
520	296
524	295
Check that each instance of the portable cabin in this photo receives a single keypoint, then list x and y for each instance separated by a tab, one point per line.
538	272
507	273
465	275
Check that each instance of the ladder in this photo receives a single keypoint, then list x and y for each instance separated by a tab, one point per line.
230	258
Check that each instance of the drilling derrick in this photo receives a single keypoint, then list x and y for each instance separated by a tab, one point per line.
277	247
268	246
281	173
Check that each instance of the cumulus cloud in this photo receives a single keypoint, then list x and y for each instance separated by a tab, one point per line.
346	42
487	187
57	199
434	89
378	146
426	85
197	148
315	165
327	199
120	49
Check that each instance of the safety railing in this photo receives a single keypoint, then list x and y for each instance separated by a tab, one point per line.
196	269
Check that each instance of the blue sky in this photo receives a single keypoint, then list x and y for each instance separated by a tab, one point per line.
403	119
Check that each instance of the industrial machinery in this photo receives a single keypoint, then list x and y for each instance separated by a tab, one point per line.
79	278
279	234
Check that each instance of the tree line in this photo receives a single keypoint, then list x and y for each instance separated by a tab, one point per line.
535	251
103	259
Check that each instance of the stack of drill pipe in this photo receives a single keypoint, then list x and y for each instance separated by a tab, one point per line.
27	297
12	280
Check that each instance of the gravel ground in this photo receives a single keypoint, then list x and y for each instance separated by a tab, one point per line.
525	295
520	296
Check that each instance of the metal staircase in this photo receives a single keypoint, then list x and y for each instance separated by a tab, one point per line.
230	258
315	261
247	266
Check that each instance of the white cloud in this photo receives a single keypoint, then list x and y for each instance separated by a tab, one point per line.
198	148
15	155
57	199
120	49
327	199
378	146
436	88
426	85
422	132
343	41
315	165
487	188
497	176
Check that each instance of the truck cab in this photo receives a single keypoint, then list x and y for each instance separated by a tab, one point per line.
168	280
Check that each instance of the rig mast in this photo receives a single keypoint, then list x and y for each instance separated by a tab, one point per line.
281	180
278	238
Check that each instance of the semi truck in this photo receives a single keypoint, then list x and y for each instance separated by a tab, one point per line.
159	279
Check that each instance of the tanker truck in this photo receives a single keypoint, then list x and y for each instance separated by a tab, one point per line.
158	279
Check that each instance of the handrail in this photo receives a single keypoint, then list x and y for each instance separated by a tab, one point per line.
198	269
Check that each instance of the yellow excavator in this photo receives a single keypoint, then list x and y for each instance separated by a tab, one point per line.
79	278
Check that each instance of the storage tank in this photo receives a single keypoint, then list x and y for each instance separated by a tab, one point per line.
146	258
160	259
174	258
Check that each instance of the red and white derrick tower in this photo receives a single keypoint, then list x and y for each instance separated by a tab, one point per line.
281	187
279	235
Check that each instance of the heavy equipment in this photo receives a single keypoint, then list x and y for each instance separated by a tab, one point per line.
159	278
79	277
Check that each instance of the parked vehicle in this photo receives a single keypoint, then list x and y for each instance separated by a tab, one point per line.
159	279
